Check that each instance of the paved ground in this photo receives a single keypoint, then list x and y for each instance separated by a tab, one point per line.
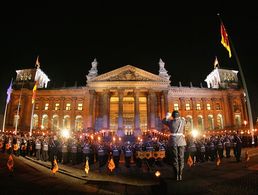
31	176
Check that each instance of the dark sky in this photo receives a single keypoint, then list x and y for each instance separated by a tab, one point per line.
68	36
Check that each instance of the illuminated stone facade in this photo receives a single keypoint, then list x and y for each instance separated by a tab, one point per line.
127	100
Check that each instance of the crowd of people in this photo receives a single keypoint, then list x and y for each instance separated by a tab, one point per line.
74	150
177	147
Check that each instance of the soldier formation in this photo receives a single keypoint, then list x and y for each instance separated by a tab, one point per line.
75	150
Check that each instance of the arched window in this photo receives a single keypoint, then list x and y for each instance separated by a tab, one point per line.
220	121
44	124
200	122
210	122
67	122
189	124
55	122
78	123
35	122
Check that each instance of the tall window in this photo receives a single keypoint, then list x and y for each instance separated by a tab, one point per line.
187	106
67	122
46	106
237	120
68	106
55	122
200	122
35	122
143	113
113	113
220	121
198	106
57	106
128	115
210	122
176	107
44	121
189	124
208	106
16	120
79	107
78	123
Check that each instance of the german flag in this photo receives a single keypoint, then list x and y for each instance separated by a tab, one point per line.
224	38
34	92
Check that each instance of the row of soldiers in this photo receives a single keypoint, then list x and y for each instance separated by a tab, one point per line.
75	150
208	149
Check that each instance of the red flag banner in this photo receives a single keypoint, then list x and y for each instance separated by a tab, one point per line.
224	39
34	92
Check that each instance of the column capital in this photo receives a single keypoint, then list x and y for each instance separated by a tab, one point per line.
92	91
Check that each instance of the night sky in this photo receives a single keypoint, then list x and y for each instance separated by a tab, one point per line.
68	36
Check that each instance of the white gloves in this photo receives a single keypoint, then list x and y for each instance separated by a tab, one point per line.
168	115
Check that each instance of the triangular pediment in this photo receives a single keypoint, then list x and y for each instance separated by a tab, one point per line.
129	73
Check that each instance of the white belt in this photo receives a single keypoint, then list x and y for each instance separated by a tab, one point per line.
176	134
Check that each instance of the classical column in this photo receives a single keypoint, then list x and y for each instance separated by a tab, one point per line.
159	107
182	106
91	108
153	108
106	104
226	111
165	96
136	113
205	113
120	112
195	118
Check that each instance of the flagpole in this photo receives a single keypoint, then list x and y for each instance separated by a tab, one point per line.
4	116
9	91
31	119
18	111
249	109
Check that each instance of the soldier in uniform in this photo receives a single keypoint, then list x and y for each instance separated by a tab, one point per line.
74	152
38	148
192	149
87	151
238	146
53	150
116	152
128	153
45	149
227	144
220	147
64	149
176	142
